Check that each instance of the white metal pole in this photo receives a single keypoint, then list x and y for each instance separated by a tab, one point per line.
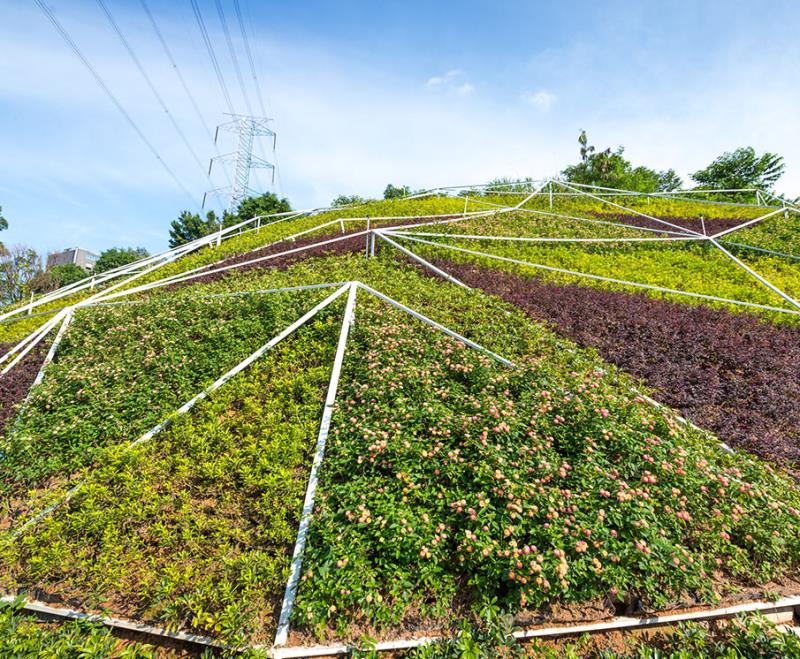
445	330
419	259
611	280
308	504
764	281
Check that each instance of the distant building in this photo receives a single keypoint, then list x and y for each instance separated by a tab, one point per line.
80	257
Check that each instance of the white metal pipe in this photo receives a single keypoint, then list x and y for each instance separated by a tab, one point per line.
44	330
419	259
602	222
749	223
617	623
282	633
612	280
434	324
630	210
52	352
543	239
50	611
235	265
752	272
762	249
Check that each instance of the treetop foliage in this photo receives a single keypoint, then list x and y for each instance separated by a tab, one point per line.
741	168
611	169
115	257
190	226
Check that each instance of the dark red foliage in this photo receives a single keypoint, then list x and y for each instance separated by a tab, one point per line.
728	372
15	384
694	223
344	246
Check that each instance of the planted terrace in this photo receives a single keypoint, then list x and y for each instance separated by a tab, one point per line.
475	460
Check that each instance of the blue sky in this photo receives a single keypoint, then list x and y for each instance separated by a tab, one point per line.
364	93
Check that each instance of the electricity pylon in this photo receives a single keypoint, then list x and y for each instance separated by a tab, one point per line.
248	128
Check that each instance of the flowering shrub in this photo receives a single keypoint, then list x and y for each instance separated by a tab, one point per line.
729	373
451	481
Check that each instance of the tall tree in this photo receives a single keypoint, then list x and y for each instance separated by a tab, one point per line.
611	169
3	221
265	204
18	266
115	257
190	226
741	169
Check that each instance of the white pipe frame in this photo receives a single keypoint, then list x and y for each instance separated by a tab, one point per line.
293	582
587	275
189	404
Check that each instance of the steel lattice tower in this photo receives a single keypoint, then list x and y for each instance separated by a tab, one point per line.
248	127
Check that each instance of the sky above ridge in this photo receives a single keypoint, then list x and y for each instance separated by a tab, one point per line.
367	93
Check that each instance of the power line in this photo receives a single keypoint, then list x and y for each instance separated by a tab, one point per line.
177	70
210	48
246	43
232	51
249	56
101	83
150	84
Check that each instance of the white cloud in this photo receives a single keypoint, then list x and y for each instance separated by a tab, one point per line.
451	82
541	100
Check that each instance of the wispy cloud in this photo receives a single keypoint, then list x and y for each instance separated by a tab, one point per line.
454	81
542	100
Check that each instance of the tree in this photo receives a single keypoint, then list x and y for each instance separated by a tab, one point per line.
741	169
3	221
190	226
610	169
395	192
18	265
56	277
267	204
505	184
115	257
347	200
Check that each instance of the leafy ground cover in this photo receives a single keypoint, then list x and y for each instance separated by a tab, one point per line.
451	483
654	526
15	384
777	233
196	527
744	638
122	369
23	636
727	372
693	267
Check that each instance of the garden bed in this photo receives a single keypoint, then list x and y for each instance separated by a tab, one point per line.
194	529
119	371
729	373
15	384
452	484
